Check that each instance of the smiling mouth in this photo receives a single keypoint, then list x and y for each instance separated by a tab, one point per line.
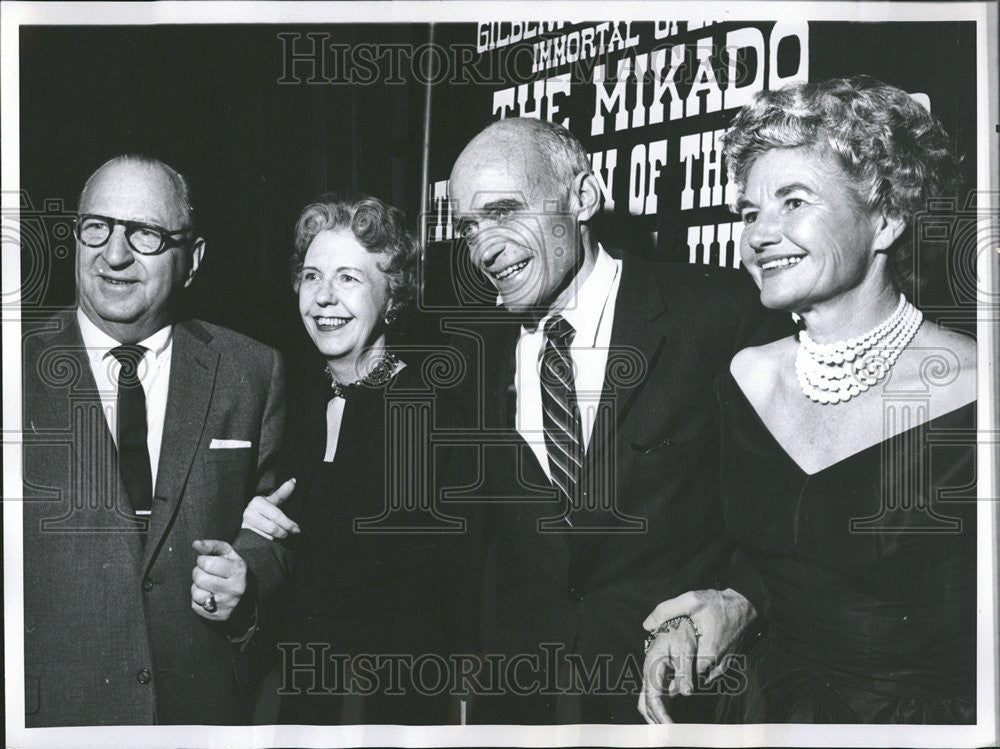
330	324
782	262
118	281
511	270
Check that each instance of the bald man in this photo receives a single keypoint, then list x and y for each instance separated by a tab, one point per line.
144	436
605	501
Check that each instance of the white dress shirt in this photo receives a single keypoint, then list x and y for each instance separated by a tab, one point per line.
154	374
591	312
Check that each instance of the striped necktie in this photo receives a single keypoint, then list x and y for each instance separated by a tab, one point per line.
560	412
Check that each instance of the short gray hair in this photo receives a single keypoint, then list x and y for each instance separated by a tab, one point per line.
378	227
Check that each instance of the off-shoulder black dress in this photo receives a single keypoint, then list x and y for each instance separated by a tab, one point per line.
865	574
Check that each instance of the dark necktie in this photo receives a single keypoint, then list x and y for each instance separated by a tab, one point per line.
560	413
133	454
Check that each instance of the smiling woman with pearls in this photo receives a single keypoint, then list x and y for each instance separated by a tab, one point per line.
865	577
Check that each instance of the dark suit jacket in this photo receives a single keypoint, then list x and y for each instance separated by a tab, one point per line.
652	464
110	637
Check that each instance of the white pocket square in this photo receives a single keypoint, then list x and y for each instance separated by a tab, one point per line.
228	444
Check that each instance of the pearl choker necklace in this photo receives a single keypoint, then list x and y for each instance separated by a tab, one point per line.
379	375
831	373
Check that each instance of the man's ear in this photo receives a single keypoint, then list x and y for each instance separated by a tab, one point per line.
887	231
197	253
585	196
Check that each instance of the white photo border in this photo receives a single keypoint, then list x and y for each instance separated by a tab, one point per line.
16	15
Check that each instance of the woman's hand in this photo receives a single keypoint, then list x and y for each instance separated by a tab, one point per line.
700	628
264	517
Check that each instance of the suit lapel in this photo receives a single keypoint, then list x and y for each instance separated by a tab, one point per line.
504	369
636	337
92	437
192	378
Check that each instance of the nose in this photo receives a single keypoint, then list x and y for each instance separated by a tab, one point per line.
117	253
763	233
326	293
486	245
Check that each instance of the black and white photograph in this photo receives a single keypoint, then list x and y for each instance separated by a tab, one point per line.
500	374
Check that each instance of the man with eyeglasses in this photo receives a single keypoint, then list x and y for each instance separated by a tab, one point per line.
602	501
145	436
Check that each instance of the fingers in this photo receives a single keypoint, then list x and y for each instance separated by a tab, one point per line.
220	612
641	706
276	517
716	672
683	681
217	566
219	569
282	493
224	604
682	605
263	517
213	547
234	585
654	695
259	532
655	669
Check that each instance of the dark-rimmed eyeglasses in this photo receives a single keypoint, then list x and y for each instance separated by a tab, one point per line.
146	239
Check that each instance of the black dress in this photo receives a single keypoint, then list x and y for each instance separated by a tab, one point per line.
865	574
367	628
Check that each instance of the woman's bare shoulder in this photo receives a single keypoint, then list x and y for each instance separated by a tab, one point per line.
943	363
756	369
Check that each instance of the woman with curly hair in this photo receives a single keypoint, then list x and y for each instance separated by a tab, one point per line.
857	549
367	625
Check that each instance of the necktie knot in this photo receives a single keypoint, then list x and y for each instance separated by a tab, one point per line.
129	357
559	330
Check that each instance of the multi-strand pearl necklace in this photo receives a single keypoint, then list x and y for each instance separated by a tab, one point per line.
831	373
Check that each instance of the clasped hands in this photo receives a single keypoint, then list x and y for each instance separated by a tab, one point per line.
220	573
706	624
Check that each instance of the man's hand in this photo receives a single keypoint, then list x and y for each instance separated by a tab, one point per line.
263	517
220	574
691	648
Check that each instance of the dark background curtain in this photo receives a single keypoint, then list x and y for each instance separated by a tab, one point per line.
208	101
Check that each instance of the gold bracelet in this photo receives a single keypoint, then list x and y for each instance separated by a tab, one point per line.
669	626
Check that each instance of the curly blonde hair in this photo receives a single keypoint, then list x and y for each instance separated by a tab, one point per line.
895	151
378	227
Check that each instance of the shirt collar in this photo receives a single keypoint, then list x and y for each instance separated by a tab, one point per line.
585	309
98	343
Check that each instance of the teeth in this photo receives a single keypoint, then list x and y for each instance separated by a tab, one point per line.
508	272
780	263
331	323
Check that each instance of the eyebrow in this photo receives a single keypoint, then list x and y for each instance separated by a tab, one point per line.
779	193
793	187
338	269
501	203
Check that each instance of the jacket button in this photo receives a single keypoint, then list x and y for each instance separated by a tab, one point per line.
147	584
575	593
143	676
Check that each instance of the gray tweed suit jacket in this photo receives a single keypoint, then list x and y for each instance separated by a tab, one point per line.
109	634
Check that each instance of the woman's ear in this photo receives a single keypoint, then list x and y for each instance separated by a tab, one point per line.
887	231
390	313
585	196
